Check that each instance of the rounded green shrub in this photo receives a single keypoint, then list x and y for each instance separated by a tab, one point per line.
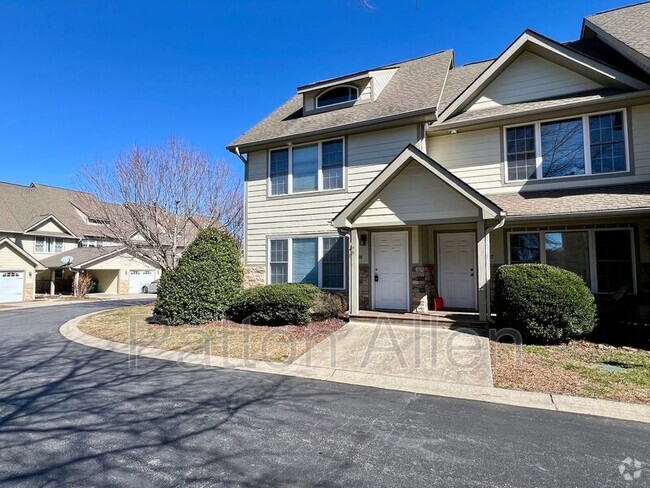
190	294
328	305
277	304
207	279
544	303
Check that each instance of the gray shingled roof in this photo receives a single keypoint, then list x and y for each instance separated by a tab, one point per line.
630	25
415	88
80	255
460	78
23	206
575	202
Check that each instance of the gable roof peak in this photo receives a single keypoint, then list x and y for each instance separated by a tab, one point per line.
540	45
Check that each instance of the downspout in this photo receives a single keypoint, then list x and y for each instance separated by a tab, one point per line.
238	153
498	225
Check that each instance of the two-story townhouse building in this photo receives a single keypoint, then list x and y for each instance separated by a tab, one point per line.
418	179
49	234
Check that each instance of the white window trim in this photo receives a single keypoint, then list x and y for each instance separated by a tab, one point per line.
339	103
320	238
593	263
319	176
586	146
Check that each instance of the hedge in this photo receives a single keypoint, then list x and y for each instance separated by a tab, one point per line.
208	278
285	303
544	303
190	294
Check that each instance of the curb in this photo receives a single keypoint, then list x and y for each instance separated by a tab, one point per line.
559	403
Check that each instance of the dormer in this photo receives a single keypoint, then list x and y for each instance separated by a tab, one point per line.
345	91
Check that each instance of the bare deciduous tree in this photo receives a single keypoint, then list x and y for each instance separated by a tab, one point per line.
154	200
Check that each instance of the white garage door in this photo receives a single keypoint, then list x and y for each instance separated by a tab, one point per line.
138	279
12	284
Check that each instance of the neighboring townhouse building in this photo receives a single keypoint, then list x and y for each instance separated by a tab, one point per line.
418	179
48	235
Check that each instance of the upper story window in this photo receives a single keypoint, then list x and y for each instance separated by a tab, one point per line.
337	95
91	243
584	145
48	245
308	167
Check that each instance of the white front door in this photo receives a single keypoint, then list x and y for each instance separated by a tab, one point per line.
12	284
390	270
139	279
457	270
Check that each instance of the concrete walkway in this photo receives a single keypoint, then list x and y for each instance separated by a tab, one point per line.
409	351
376	379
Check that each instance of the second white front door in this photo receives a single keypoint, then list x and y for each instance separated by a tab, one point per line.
390	270
457	270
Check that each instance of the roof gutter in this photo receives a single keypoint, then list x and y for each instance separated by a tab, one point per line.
238	153
578	215
423	115
498	118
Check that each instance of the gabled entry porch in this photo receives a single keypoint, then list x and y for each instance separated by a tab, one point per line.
417	233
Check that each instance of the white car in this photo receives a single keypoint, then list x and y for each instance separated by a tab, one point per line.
151	287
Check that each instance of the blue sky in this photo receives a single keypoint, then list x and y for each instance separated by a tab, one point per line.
85	80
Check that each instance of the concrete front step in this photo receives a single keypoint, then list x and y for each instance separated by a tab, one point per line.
431	319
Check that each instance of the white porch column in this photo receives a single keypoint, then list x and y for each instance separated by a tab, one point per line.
353	274
482	271
52	280
75	284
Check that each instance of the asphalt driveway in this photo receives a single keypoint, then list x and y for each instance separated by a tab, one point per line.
75	416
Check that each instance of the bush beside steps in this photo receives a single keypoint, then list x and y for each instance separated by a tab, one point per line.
285	304
544	303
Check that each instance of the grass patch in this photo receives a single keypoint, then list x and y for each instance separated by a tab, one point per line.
129	325
572	369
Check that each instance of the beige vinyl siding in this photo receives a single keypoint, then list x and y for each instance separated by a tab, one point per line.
640	132
531	77
415	195
122	261
475	156
10	261
50	226
380	79
367	155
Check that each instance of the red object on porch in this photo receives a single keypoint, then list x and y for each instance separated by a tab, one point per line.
438	303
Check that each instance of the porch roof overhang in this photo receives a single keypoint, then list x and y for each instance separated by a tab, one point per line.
485	208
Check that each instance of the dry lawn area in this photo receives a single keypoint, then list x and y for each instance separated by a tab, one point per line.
571	369
278	344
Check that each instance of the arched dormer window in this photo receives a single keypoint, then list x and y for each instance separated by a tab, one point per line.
337	95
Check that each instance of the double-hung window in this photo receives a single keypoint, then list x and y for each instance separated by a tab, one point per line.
48	245
584	145
317	260
602	257
306	168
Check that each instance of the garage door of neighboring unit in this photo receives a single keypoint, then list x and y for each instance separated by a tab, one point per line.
12	284
138	279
